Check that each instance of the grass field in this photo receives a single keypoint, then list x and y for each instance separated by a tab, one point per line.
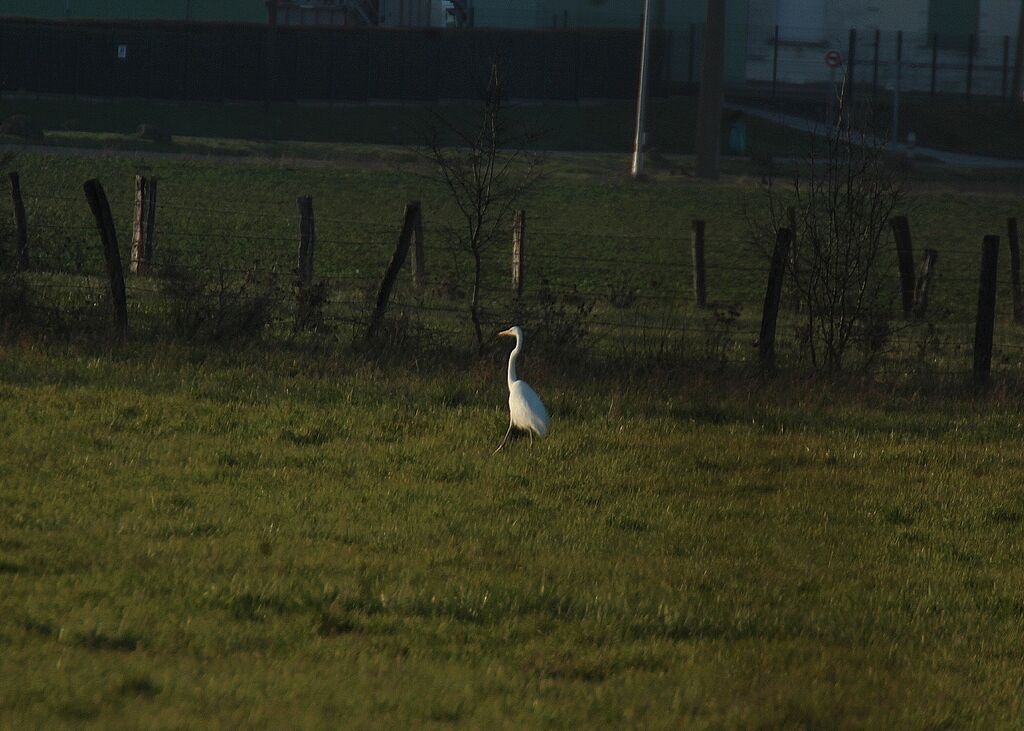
595	237
193	540
308	533
982	126
590	126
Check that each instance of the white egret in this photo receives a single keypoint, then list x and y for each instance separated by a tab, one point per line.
526	410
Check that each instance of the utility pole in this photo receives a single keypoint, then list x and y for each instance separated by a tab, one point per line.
709	104
1018	60
640	138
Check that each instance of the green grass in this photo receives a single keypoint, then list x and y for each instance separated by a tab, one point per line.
593	234
281	128
299	532
260	540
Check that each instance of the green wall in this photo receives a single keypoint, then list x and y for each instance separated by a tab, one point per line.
242	11
675	16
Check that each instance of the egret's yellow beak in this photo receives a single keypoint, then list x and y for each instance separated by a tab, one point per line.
508	333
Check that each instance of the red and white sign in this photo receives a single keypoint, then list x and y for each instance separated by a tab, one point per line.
833	59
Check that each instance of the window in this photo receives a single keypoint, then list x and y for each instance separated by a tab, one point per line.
801	21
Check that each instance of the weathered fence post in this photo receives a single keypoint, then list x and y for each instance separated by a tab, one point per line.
905	258
20	224
144	230
924	279
699	286
518	240
772	297
391	273
1014	239
100	207
985	323
418	262
307	242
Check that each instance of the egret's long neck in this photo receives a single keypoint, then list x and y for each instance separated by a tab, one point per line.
512	378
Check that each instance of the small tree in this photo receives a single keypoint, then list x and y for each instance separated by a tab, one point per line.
485	170
841	198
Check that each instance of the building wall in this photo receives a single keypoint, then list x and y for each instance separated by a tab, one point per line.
239	11
680	19
801	53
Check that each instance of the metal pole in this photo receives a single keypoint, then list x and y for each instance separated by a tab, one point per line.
896	91
641	133
775	60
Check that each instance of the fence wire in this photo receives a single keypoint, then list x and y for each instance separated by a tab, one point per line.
229	274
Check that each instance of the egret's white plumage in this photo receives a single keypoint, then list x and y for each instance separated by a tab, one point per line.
526	410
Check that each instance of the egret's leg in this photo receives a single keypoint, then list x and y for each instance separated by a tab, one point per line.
505	439
531	437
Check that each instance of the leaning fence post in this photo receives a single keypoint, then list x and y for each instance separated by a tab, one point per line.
905	259
924	279
518	241
391	273
20	224
307	241
97	198
1014	239
143	232
985	323
418	263
699	281
772	296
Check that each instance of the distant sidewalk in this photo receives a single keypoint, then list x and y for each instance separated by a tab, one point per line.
955	159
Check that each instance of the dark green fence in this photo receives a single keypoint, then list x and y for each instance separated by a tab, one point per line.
215	62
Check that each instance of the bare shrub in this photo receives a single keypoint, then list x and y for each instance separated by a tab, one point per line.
218	303
485	168
842	196
557	323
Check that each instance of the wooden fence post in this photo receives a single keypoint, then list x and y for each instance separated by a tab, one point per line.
924	279
985	323
97	198
1014	239
518	236
772	297
905	257
391	273
144	230
20	224
418	263
699	282
307	242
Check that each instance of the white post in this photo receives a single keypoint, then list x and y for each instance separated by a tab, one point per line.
641	133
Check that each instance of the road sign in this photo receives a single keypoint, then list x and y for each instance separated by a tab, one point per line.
833	59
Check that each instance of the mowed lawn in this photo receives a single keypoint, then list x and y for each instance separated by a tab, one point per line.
267	540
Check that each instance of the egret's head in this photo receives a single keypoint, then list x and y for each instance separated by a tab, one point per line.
513	332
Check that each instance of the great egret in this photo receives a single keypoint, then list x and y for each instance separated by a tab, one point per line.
526	410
